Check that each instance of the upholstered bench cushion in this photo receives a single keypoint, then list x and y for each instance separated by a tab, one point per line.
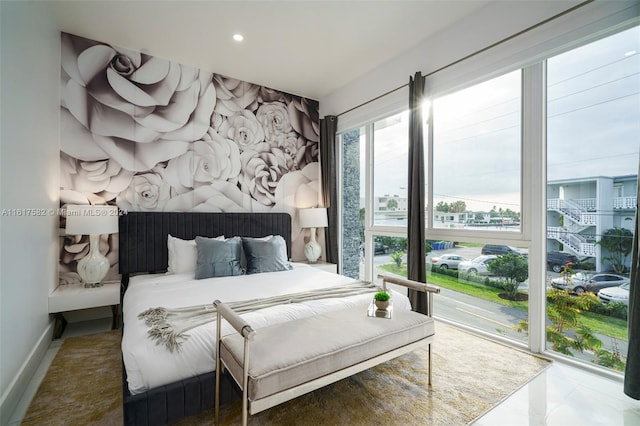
292	353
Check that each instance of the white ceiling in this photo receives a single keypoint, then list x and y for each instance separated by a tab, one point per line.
309	48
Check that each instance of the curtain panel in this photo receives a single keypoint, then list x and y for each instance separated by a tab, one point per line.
328	128
415	229
632	369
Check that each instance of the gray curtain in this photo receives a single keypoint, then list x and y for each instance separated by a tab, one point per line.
415	229
632	370
328	128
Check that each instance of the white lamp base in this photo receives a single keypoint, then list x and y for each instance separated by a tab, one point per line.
312	249
94	266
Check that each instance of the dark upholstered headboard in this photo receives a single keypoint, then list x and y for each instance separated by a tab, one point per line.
143	235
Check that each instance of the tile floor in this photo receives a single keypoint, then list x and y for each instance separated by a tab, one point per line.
562	395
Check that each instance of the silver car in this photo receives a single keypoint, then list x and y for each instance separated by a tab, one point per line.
477	265
584	281
447	261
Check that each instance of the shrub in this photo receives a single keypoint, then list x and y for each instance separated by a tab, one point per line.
513	268
587	266
397	258
612	309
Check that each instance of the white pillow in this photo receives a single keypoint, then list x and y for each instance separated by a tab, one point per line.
183	254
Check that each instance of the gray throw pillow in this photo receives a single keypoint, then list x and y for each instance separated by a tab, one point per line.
266	255
218	258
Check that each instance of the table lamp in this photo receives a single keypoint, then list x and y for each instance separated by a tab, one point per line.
92	221
312	219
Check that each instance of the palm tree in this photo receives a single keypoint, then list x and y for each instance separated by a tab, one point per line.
618	242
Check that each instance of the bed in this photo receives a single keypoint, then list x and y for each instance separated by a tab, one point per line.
160	386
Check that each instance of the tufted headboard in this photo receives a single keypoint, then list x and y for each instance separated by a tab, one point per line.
143	235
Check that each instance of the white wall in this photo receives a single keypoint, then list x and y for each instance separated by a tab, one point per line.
489	25
29	179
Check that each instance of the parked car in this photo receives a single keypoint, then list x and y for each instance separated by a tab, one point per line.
615	294
499	249
379	248
477	265
556	260
447	261
582	281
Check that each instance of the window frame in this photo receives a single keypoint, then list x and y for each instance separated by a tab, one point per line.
593	23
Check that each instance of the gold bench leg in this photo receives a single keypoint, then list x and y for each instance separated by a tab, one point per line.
429	354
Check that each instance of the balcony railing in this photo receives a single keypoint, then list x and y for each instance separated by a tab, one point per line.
623	203
588	204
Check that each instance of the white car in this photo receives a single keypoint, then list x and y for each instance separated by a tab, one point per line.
615	294
447	261
477	265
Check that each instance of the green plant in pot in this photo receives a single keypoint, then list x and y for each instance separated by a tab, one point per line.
381	300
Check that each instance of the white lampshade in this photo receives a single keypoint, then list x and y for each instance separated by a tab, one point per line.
92	220
313	218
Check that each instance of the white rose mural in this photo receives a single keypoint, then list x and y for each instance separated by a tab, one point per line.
274	118
136	109
261	174
150	134
98	181
235	96
147	192
245	130
210	159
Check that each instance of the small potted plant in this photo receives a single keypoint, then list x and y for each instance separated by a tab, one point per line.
381	299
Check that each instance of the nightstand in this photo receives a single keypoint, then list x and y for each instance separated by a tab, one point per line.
72	297
325	266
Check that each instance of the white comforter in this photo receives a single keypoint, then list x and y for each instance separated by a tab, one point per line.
149	365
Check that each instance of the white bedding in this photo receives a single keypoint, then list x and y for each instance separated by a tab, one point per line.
149	365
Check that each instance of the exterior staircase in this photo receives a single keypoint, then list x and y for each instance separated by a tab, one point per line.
576	219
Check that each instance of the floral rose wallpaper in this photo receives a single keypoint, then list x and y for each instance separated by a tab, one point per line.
148	134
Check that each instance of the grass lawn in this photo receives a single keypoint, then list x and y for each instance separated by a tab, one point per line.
609	326
601	324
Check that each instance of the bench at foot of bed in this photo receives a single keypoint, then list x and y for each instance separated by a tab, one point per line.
283	361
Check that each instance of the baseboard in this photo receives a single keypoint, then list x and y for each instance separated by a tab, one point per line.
16	389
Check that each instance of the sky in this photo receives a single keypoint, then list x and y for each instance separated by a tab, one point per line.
593	128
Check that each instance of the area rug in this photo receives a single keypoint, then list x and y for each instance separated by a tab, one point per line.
83	385
470	376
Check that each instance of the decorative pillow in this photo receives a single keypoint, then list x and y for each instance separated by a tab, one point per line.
266	254
182	254
243	258
218	258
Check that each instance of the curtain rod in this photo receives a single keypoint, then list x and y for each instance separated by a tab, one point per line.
484	49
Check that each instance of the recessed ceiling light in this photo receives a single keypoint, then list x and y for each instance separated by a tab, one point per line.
238	37
630	53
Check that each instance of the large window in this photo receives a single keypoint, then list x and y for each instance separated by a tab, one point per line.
476	146
390	157
593	121
477	179
487	154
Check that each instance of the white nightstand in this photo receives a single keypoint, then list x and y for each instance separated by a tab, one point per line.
325	266
72	297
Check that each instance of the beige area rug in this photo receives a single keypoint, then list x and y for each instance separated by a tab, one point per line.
470	376
83	385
